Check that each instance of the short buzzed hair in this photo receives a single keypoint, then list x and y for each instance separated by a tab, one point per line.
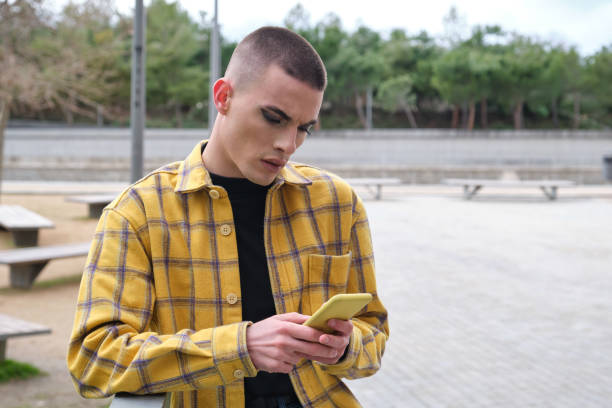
276	45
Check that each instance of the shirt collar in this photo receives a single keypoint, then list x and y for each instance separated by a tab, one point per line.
193	176
289	174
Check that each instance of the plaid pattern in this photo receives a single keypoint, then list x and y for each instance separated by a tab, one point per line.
157	308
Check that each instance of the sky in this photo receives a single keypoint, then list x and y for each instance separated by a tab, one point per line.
585	24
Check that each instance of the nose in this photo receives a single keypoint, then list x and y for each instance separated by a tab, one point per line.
287	142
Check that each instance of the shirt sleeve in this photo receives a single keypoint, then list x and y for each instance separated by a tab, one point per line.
113	346
364	352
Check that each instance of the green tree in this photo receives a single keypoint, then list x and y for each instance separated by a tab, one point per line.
91	50
453	77
409	61
562	78
521	73
455	28
176	80
298	20
485	62
37	71
358	67
328	37
485	67
62	66
397	93
598	83
467	74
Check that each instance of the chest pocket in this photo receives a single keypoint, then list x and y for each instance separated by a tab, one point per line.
327	276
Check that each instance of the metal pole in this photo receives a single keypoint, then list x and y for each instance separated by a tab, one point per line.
138	101
99	117
5	111
215	68
369	108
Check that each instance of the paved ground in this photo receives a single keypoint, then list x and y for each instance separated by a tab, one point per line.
503	301
498	302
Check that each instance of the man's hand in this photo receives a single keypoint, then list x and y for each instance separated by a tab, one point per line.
277	343
338	340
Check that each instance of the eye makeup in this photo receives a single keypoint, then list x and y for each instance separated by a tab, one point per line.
276	116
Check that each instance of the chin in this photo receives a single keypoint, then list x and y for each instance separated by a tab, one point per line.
263	178
262	181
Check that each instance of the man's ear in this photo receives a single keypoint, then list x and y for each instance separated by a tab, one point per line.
222	90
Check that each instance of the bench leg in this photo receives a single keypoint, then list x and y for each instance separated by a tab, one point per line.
552	194
2	350
23	276
378	192
95	210
25	238
469	193
371	191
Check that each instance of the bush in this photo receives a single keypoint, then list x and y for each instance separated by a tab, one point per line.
10	369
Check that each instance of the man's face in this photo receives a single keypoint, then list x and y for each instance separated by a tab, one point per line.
265	123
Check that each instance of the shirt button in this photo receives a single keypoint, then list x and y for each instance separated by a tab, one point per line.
214	194
232	298
239	374
226	229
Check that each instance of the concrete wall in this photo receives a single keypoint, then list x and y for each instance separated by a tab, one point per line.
415	156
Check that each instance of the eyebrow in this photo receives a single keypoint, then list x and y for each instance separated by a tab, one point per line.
286	117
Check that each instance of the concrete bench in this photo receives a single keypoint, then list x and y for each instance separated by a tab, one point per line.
26	263
95	202
472	186
23	224
13	327
374	182
124	400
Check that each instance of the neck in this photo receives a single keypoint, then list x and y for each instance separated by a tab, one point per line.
214	154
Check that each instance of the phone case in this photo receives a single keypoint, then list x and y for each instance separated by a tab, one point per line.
343	307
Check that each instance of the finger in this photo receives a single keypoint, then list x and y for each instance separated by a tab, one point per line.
293	317
286	356
302	355
302	332
341	326
309	350
324	360
335	341
284	350
286	344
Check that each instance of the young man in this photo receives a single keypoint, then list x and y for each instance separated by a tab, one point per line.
201	274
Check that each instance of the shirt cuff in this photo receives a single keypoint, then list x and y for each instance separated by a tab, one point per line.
349	358
230	352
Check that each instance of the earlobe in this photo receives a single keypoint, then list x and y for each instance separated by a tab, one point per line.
221	95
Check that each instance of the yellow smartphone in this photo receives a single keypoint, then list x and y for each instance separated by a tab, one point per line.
342	307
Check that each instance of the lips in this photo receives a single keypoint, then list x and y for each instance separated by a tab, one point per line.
274	163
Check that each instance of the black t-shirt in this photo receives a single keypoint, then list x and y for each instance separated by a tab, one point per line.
248	202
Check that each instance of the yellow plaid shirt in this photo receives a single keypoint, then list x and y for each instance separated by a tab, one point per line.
159	306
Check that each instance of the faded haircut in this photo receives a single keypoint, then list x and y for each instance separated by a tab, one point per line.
276	45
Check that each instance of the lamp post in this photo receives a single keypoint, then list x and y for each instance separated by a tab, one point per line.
215	68
138	101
